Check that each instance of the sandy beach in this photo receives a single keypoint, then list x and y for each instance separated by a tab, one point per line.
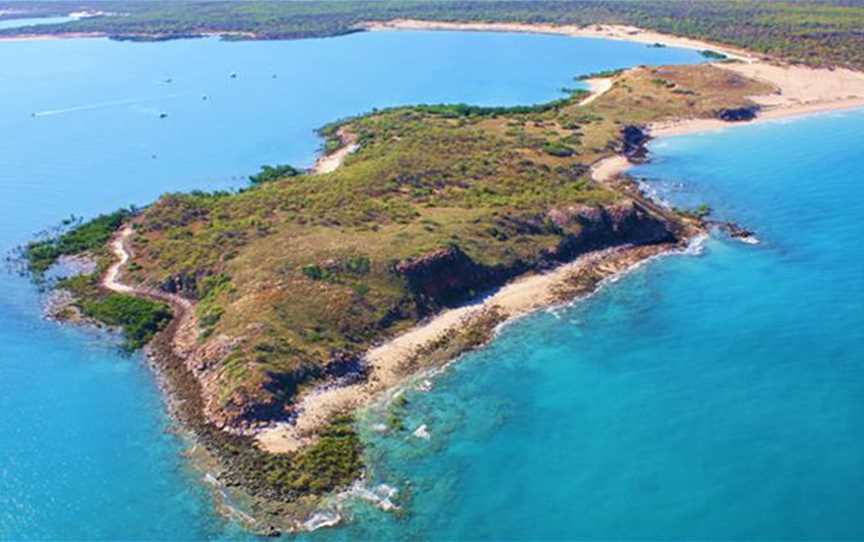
613	32
330	162
520	297
597	87
43	37
802	91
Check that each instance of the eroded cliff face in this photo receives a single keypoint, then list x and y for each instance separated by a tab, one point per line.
449	276
594	228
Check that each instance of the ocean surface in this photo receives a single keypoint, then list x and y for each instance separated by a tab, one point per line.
717	395
86	449
36	21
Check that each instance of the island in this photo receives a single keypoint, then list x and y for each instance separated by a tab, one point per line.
273	313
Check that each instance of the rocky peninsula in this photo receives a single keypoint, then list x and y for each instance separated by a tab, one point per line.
304	297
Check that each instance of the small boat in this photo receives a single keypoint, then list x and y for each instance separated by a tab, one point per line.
234	75
274	76
204	97
168	80
163	115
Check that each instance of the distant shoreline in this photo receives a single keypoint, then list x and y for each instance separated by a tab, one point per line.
602	31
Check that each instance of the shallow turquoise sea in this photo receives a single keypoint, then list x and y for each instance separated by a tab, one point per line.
86	450
712	396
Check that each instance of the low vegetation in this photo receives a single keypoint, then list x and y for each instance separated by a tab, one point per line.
317	262
332	462
294	280
307	271
78	238
139	319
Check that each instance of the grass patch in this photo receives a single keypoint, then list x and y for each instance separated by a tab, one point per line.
321	267
139	319
333	462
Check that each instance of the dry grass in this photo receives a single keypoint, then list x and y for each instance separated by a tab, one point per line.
310	260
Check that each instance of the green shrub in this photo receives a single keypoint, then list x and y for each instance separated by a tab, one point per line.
332	462
91	235
139	318
558	149
714	55
209	312
274	173
313	272
358	265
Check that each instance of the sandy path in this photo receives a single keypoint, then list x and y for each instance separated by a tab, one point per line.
187	329
331	162
111	280
598	87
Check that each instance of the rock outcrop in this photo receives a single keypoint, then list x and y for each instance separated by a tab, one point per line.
738	114
633	141
450	276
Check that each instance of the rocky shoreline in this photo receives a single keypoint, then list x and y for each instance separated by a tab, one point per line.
614	240
279	455
236	465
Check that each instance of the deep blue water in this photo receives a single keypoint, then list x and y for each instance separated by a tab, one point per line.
85	447
718	396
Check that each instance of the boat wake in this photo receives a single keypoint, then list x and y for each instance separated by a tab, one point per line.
104	105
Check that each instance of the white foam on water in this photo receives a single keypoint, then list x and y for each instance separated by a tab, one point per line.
422	432
380	496
333	512
322	518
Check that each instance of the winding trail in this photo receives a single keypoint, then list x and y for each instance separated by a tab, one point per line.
111	280
182	307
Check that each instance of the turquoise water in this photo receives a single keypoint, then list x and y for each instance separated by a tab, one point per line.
85	446
716	396
33	21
